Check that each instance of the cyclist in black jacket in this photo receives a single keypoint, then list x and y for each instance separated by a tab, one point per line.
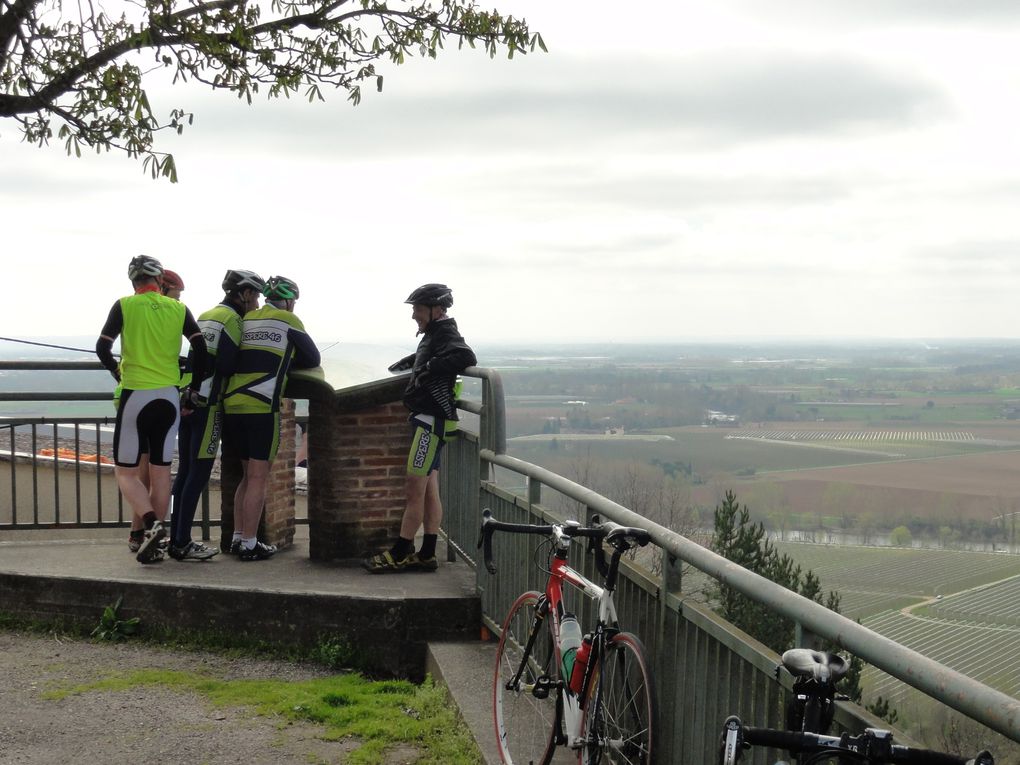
442	354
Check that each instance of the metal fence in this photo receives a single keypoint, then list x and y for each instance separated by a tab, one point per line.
56	475
705	668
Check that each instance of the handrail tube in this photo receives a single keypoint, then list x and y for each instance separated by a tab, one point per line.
496	404
56	396
43	366
986	705
6	422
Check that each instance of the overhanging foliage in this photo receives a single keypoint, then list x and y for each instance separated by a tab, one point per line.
79	68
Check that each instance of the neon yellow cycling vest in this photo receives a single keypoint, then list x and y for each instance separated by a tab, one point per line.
263	361
150	341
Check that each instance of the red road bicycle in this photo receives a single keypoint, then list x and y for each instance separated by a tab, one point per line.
553	688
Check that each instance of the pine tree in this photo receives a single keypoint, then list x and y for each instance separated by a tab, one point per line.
746	544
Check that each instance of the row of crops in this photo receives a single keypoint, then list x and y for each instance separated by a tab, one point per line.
966	611
876	579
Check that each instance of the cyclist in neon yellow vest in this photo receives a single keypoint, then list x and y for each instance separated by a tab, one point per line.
273	340
150	326
199	434
171	285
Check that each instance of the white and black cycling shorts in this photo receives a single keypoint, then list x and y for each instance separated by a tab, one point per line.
147	422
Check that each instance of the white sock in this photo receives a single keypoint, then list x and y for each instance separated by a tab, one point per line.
248	544
236	537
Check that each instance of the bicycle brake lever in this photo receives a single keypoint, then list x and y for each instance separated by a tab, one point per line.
485	538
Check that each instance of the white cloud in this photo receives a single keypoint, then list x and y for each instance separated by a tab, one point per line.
701	170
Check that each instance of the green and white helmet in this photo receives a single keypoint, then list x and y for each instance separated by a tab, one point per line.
280	288
142	266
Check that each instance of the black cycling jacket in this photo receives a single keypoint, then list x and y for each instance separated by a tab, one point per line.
442	354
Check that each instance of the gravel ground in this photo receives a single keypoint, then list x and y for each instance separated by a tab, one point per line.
119	726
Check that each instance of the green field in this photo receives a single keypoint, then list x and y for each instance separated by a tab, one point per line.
973	627
876	579
709	452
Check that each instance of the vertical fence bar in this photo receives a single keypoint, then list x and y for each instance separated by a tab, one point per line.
206	534
14	480
56	473
35	476
77	471
99	480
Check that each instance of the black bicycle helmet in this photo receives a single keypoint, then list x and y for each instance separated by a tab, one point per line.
280	288
236	280
431	295
142	266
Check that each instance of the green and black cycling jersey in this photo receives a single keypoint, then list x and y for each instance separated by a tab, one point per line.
272	341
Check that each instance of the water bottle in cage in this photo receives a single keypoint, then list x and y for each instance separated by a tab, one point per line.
570	641
580	664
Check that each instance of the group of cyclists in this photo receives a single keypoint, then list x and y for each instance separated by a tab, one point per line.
230	389
233	379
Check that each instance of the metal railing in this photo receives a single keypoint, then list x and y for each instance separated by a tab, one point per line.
48	490
706	669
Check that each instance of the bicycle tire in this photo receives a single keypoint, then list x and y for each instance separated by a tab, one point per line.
525	724
619	716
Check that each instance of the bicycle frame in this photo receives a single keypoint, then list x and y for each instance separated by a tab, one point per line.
573	704
579	720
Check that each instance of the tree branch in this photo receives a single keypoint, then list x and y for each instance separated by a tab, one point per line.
14	15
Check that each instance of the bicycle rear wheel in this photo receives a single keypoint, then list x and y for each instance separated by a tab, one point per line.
525	710
620	707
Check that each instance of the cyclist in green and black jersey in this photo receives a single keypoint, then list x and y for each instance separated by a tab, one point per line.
273	340
199	434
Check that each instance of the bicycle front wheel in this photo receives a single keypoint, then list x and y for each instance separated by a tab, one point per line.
620	707
525	690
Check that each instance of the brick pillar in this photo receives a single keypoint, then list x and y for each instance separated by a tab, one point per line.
277	524
357	443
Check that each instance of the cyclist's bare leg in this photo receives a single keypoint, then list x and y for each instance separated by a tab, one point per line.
416	492
414	509
433	506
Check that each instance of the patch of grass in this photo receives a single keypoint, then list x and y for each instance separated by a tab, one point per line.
379	714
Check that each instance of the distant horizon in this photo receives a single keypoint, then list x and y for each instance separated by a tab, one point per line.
328	343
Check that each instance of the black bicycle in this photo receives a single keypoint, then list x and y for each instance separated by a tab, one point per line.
808	717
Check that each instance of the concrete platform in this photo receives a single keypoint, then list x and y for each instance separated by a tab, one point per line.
389	619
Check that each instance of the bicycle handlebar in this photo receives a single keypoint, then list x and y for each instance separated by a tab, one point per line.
892	753
620	537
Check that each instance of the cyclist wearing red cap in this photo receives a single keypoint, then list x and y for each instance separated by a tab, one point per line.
171	284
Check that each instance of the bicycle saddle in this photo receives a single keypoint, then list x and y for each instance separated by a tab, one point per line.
823	667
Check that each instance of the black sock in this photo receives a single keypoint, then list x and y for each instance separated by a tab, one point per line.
150	519
402	548
428	546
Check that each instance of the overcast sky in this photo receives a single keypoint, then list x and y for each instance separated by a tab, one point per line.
669	170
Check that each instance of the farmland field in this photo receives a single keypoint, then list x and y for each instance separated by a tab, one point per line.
876	579
973	628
